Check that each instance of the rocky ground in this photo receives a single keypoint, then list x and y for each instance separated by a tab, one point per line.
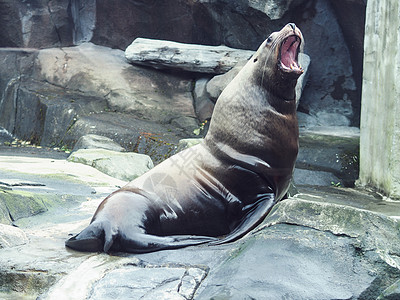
322	243
67	86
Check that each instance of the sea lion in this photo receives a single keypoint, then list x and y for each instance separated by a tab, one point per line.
220	189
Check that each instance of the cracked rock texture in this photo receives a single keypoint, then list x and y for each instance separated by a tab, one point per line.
322	243
332	28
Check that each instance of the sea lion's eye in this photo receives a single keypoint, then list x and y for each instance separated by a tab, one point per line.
269	40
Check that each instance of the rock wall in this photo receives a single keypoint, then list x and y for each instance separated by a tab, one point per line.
380	124
333	31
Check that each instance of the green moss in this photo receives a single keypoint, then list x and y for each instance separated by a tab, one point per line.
22	204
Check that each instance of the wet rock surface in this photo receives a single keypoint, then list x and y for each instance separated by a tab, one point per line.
322	243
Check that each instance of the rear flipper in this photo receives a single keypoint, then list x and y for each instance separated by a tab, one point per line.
98	236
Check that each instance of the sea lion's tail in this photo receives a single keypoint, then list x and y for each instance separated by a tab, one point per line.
96	237
101	236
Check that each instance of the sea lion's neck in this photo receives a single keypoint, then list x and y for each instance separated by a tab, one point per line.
282	105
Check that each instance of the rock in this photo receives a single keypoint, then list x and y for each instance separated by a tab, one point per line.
35	25
329	150
59	100
342	216
83	14
187	57
351	18
313	177
218	83
380	129
124	166
202	104
323	243
145	93
187	143
391	293
15	205
335	82
93	141
11	236
188	124
337	220
147	281
71	187
331	88
294	263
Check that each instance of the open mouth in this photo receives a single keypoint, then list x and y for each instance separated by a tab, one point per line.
289	55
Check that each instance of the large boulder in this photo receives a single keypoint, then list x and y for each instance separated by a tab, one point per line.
124	166
93	141
350	15
11	236
331	92
333	32
35	24
104	73
328	156
186	57
64	94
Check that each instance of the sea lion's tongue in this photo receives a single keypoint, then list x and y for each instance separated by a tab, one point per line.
289	52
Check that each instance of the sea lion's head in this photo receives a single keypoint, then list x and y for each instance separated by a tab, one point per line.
276	61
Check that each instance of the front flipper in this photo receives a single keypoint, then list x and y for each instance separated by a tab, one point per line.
255	215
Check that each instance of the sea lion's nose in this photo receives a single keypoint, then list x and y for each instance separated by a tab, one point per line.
293	26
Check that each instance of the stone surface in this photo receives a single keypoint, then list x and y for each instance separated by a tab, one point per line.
323	243
202	103
63	95
35	24
124	166
273	264
380	125
11	236
333	32
93	141
186	57
313	177
330	150
217	84
187	143
351	18
391	293
331	90
146	93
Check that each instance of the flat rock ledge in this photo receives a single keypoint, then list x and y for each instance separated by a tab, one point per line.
322	243
189	57
122	165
